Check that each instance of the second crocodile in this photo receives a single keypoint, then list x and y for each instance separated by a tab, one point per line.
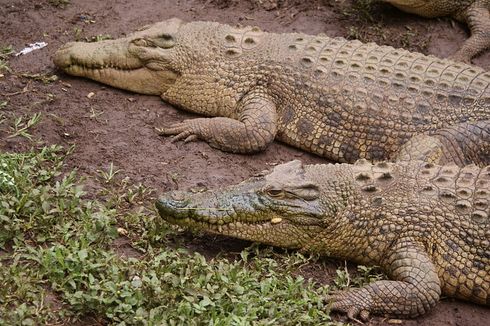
426	226
343	100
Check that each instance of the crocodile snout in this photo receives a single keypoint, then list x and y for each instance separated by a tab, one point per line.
62	57
172	204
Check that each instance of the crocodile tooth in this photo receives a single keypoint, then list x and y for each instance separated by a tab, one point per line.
276	220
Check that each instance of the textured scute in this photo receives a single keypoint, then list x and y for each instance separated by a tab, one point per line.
426	225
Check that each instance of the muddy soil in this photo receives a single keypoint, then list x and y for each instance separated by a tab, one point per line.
112	125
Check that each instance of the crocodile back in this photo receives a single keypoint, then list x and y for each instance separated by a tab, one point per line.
444	209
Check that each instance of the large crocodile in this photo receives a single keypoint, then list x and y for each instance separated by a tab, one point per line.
476	13
427	226
340	99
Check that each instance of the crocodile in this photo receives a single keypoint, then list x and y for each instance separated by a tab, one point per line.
476	13
426	225
343	100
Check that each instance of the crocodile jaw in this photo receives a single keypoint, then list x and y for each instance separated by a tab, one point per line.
224	220
115	63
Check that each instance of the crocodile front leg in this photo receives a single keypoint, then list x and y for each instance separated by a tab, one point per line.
255	128
478	18
415	288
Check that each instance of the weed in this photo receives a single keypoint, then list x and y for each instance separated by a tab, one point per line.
22	125
5	52
44	78
110	174
95	114
78	33
364	275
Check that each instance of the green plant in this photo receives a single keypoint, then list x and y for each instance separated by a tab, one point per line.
22	125
5	52
110	174
364	275
44	78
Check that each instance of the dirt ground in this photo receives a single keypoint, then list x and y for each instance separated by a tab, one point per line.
119	127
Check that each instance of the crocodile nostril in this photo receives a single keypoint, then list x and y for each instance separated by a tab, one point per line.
177	195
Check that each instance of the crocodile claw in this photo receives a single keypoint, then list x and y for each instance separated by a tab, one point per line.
186	131
343	302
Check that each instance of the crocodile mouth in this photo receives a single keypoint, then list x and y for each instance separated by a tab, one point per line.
75	69
113	64
225	220
221	227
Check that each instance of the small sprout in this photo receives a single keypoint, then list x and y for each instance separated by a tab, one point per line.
110	174
94	114
78	33
21	126
5	52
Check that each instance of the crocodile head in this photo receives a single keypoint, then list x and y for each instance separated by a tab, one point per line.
288	207
143	62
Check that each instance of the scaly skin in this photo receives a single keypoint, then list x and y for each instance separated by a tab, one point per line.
340	99
476	13
427	226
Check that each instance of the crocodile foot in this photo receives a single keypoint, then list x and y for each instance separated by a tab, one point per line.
350	303
187	131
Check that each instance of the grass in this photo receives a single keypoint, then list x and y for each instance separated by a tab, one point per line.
58	263
5	52
21	125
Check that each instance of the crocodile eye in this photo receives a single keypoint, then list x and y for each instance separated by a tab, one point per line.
274	192
166	37
165	41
